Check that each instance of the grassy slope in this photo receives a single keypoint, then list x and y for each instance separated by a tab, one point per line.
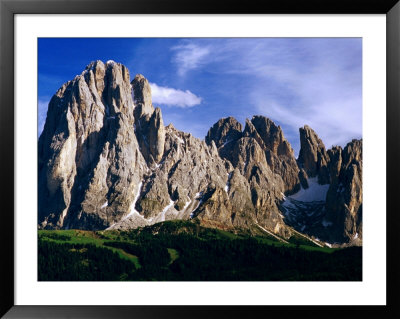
173	253
172	228
98	238
87	237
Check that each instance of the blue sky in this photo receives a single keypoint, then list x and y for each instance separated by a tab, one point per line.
196	81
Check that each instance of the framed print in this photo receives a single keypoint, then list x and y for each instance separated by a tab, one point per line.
170	159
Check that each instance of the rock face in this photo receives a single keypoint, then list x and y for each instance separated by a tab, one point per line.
225	133
331	212
261	186
106	160
313	157
141	91
89	160
278	152
344	198
149	124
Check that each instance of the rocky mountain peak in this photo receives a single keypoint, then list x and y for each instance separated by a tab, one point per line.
156	135
271	135
89	165
223	135
352	153
335	163
149	124
251	131
106	160
224	131
313	157
344	198
278	151
142	96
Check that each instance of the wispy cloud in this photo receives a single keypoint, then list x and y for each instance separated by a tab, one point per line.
189	57
293	81
42	113
336	129
325	94
173	97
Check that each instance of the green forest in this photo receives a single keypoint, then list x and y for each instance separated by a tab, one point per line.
186	251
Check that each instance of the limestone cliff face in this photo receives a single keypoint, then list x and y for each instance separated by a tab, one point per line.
331	212
313	157
224	133
141	91
261	184
149	125
278	151
89	162
344	198
106	160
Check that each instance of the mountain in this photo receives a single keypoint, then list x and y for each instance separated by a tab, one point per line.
107	161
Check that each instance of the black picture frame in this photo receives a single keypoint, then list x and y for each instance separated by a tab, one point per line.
8	8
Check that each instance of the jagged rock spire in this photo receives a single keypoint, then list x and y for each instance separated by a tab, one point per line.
224	131
149	124
278	151
142	96
344	199
272	136
313	157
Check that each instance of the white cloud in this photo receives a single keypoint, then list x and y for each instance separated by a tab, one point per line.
189	57
169	96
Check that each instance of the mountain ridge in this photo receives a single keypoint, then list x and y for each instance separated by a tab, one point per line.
106	161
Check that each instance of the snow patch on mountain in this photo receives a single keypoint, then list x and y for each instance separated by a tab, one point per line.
133	209
105	204
171	203
314	192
